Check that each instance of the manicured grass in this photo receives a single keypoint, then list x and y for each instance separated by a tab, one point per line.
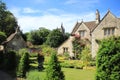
70	74
78	74
35	75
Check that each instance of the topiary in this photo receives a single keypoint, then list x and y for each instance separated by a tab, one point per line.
23	66
54	69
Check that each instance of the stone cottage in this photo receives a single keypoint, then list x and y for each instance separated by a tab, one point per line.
99	29
15	41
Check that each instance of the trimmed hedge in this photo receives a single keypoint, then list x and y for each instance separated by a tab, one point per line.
108	59
54	71
23	66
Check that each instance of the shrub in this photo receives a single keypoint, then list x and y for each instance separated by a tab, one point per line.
23	66
54	69
40	59
92	63
72	64
47	50
108	59
86	56
1	59
10	60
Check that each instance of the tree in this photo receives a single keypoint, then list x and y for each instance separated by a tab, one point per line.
2	37
38	37
8	22
54	69
55	38
108	59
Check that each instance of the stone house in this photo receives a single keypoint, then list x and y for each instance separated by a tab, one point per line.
15	41
66	47
99	29
108	26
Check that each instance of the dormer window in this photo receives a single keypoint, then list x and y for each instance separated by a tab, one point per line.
109	31
82	33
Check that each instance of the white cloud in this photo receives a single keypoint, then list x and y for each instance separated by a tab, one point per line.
71	1
38	1
50	21
29	10
84	2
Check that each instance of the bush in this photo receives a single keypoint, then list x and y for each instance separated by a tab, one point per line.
54	69
23	66
108	59
2	37
1	59
10	60
40	59
72	64
47	50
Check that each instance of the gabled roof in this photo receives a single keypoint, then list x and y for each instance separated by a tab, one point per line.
103	19
11	36
76	27
90	25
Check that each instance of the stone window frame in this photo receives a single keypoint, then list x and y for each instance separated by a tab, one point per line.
65	49
109	31
82	33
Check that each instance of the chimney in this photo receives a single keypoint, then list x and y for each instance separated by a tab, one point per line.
62	28
97	16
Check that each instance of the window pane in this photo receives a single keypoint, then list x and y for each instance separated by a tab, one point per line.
105	31
82	33
109	31
113	30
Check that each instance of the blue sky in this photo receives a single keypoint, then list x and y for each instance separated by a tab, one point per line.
32	14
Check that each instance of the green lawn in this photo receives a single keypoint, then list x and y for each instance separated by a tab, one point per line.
78	74
70	74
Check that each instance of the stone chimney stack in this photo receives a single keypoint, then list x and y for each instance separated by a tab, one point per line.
62	28
97	16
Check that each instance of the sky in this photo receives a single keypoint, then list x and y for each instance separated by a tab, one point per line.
33	14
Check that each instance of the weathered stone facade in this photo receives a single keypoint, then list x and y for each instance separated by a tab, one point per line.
109	22
108	26
66	47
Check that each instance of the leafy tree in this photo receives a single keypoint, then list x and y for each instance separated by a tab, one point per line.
108	59
54	69
67	35
2	37
38	37
8	22
55	38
